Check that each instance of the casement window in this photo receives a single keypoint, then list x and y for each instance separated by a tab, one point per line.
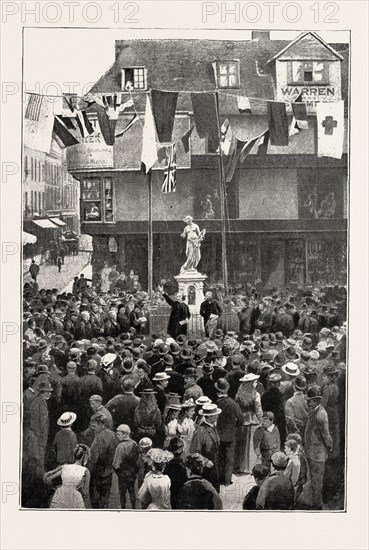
98	200
228	74
134	78
306	73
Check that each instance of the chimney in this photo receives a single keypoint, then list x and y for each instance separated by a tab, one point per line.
260	36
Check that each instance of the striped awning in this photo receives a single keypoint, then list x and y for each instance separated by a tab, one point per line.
45	224
28	238
57	221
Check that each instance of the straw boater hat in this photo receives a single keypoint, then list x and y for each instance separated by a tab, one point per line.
189	404
210	409
291	369
66	419
188	219
202	400
249	377
160	376
108	359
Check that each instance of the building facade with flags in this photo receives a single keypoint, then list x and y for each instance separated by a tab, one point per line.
279	121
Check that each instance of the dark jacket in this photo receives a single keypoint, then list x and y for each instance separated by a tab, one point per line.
230	417
272	400
179	312
176	470
276	493
198	494
102	452
284	323
209	307
122	408
207	385
206	442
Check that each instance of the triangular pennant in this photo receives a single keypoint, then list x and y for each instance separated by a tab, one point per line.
149	153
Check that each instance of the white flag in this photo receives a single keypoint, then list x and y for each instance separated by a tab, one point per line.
149	153
38	123
330	121
243	104
293	127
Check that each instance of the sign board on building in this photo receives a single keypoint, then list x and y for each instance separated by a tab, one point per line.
91	153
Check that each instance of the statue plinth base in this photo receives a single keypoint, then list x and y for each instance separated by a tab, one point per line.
191	285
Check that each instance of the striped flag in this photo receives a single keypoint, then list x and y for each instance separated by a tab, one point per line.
34	107
129	125
170	172
84	125
61	132
226	137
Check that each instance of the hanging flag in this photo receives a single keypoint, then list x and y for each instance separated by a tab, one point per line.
38	123
330	121
247	148
205	115
261	141
164	109
300	114
278	123
107	126
62	134
243	104
33	109
170	172
214	65
226	136
84	125
186	139
233	160
70	102
294	129
149	154
129	125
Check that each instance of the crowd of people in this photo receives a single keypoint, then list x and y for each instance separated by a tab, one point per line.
175	416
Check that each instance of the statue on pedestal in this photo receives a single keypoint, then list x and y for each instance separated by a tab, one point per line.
193	246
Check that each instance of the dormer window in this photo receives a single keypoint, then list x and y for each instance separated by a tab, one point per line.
228	74
134	78
308	72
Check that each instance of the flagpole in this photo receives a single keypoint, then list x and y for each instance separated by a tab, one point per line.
222	200
150	237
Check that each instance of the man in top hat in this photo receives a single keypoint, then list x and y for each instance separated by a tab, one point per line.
210	311
109	375
192	390
296	408
318	443
206	382
233	376
39	418
276	492
205	441
272	400
229	419
179	315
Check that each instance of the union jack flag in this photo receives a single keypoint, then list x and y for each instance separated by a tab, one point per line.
170	172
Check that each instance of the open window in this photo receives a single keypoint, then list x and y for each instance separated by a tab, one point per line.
134	78
308	72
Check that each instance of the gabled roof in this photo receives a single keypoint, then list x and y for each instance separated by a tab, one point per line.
301	37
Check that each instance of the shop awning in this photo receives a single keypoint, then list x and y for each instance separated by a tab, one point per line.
27	238
45	224
57	221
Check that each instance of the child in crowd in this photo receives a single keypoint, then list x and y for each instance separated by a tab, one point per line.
267	439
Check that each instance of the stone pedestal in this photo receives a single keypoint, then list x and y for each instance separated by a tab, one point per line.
191	284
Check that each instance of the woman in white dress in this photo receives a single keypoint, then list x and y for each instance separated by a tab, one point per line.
154	493
74	490
187	425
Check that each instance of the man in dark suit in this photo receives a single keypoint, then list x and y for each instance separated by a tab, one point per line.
272	400
276	492
318	442
209	307
179	315
123	405
206	442
229	419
